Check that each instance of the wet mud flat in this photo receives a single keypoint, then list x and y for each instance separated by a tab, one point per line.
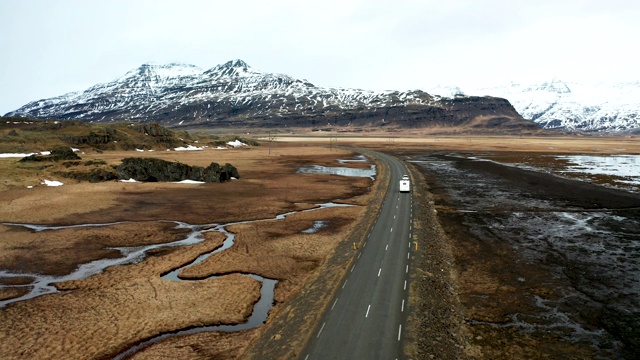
545	267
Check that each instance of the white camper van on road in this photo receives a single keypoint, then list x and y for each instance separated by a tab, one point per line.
405	185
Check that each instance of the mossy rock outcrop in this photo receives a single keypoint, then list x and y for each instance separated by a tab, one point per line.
93	175
59	154
152	170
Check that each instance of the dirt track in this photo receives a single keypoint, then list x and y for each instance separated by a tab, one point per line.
543	267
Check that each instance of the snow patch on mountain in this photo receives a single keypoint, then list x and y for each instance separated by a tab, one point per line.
572	106
144	93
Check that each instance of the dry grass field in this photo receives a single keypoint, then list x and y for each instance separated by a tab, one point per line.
107	313
474	143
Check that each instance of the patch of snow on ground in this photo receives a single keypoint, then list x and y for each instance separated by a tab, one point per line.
236	143
52	183
189	182
188	148
131	180
14	155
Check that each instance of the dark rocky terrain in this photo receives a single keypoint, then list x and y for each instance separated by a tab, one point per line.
544	267
152	170
235	95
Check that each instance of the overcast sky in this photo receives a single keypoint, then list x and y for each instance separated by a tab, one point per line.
48	48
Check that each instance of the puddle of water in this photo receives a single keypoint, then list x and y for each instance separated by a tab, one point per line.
316	227
358	158
341	170
337	170
626	166
620	171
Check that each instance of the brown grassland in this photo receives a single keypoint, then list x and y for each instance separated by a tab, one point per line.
105	314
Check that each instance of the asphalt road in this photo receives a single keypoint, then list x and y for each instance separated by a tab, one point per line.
368	312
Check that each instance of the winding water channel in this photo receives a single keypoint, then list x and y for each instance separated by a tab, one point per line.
42	284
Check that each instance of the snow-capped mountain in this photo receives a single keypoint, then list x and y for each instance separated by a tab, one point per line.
234	94
574	106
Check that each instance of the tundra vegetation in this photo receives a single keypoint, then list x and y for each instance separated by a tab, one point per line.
453	312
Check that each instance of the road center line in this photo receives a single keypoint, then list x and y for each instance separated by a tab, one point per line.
345	283
334	304
407	269
408	255
402	308
320	332
399	332
367	314
391	229
405	285
379	272
353	267
386	247
359	255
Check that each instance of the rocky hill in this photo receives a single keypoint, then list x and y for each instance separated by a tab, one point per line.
235	95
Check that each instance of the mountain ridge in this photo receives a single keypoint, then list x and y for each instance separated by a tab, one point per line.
234	94
572	106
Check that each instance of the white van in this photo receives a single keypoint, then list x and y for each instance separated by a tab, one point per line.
405	185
